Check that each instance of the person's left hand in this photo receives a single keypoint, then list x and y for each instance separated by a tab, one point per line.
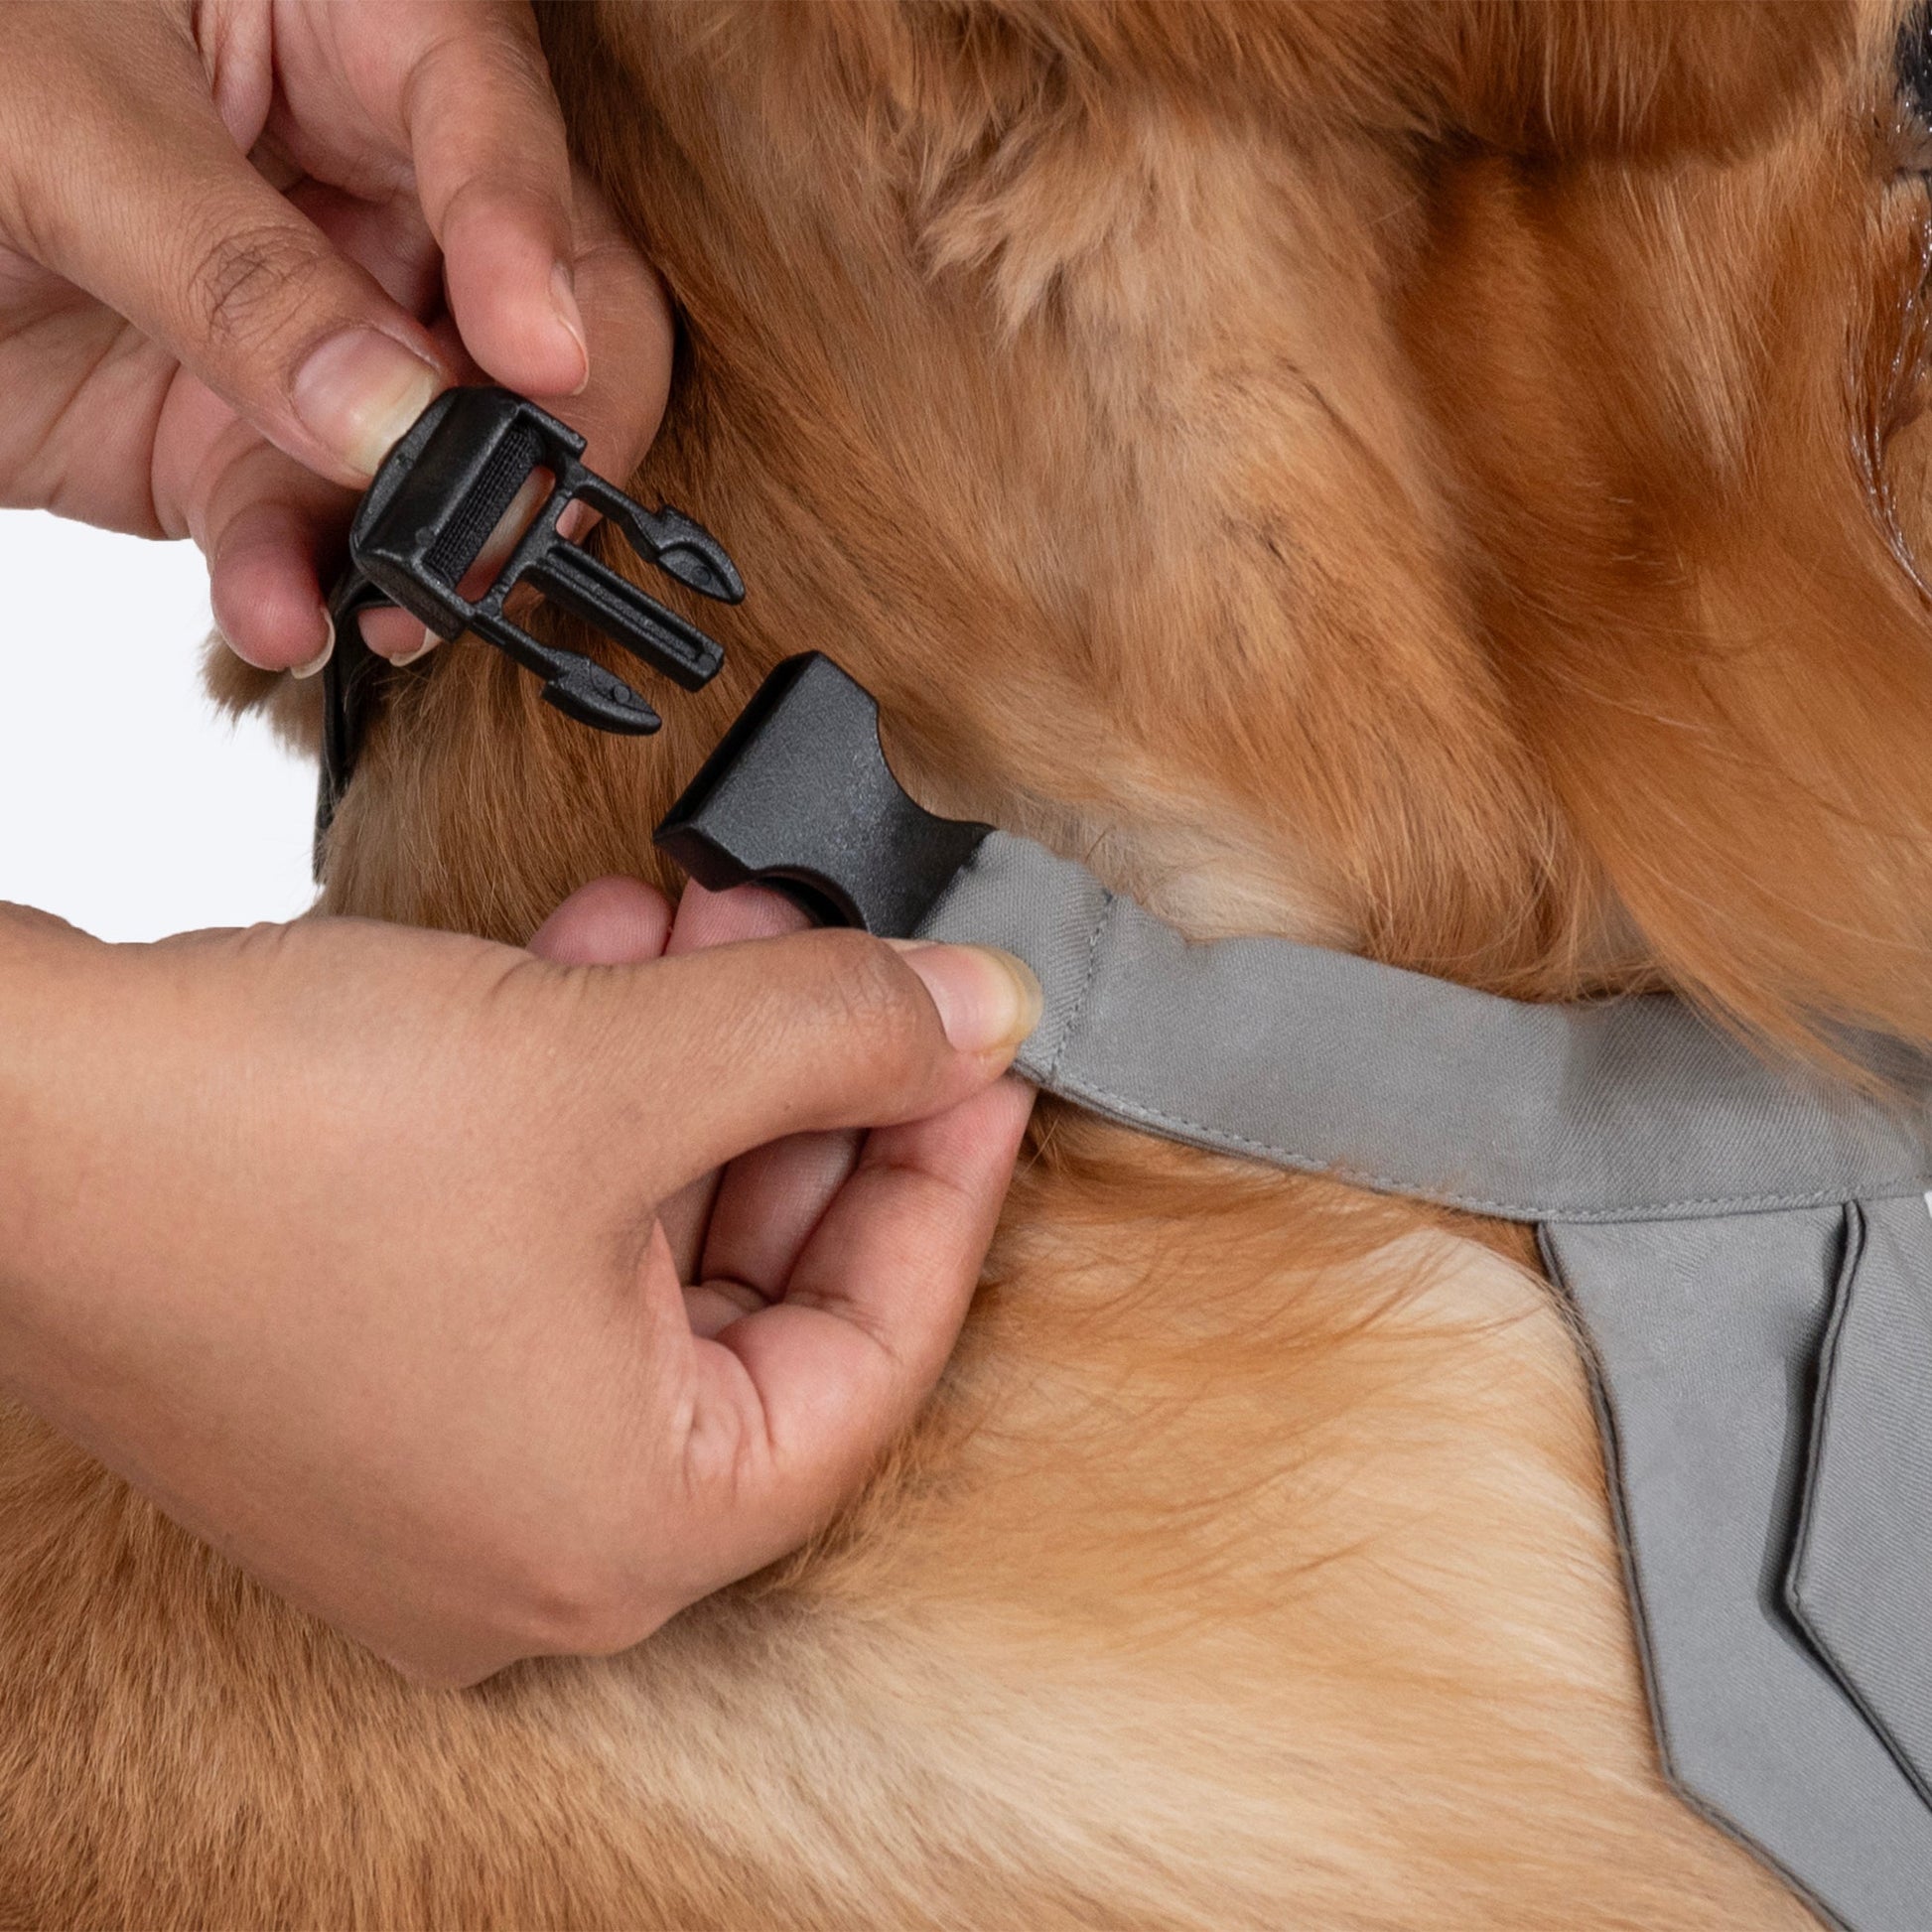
398	1265
243	243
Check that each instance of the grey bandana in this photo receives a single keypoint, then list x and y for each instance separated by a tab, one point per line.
1748	1253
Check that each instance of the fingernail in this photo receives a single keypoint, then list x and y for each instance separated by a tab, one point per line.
563	299
987	999
359	391
429	643
323	655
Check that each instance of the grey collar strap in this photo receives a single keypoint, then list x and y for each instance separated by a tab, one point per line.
1630	1110
1749	1258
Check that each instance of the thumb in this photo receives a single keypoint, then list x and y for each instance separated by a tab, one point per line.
811	1031
134	189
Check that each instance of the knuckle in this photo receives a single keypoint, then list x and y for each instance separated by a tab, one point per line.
247	282
509	63
503	194
868	993
576	1603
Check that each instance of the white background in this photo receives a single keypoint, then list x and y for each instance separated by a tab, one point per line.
128	803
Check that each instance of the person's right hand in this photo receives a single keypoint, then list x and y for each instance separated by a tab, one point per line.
243	243
348	1244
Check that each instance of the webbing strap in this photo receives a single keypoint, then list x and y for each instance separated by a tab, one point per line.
1635	1109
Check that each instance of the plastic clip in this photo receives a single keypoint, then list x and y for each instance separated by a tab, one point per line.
423	523
798	796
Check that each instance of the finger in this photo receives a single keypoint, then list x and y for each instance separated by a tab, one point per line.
819	1384
628	319
741	1228
767	1205
268	527
264	568
389	238
271	530
492	170
814	1031
710	1307
137	191
707	918
265	524
612	921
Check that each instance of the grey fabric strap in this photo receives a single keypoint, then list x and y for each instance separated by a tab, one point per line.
1747	1250
1328	1064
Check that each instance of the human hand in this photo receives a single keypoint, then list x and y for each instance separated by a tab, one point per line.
228	232
357	1248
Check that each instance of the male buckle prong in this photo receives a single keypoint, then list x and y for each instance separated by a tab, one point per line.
447	485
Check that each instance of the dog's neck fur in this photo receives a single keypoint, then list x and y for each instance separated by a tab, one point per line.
1246	497
1087	437
1139	375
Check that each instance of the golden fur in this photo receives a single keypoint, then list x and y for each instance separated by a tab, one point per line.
1439	478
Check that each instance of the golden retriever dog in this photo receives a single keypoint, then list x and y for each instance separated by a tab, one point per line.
1441	480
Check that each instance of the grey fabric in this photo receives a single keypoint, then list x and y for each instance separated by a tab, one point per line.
1749	1257
1330	1063
1704	1335
1860	1583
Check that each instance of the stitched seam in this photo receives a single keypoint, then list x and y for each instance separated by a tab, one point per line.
1086	985
1135	1110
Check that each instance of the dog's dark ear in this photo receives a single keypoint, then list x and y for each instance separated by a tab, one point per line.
1630	76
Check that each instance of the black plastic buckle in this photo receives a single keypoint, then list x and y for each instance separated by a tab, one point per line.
798	796
424	522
